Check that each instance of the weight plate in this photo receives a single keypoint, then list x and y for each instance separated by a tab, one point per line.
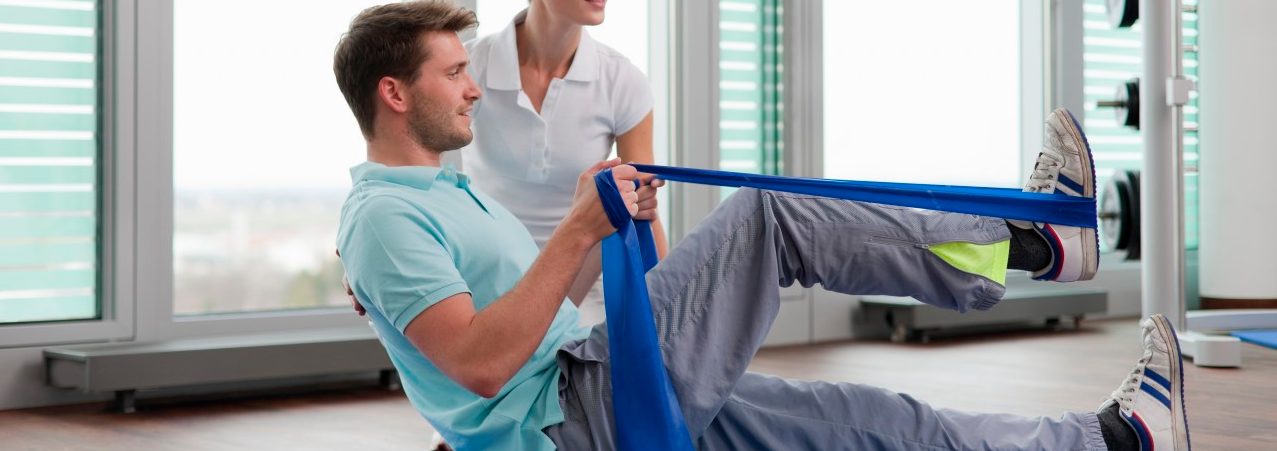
1133	192
1128	94
1113	225
1122	13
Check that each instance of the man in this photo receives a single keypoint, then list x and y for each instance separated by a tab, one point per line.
489	351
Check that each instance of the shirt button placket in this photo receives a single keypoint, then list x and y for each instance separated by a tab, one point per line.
545	158
536	156
547	110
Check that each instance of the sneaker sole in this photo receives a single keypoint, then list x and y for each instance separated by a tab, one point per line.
1090	255
1179	412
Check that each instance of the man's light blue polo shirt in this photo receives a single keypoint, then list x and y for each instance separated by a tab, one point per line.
412	236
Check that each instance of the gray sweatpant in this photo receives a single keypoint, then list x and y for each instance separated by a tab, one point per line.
715	297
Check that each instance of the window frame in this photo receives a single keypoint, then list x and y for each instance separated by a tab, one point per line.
155	209
116	201
694	127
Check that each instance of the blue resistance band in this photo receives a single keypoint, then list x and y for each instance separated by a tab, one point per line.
1009	203
644	404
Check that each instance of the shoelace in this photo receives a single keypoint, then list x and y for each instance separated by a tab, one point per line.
1044	171
1125	394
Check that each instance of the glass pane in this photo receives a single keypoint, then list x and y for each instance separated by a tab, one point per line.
49	149
1111	56
924	98
262	141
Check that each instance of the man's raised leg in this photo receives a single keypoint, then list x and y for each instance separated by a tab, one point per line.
716	294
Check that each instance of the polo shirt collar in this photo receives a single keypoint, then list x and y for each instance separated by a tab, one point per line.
420	177
503	60
585	64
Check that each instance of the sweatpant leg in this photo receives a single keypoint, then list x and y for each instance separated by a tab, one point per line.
767	412
715	295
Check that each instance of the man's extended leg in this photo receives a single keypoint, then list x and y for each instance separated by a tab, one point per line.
1145	412
768	412
716	294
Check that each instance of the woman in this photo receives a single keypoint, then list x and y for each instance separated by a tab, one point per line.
554	102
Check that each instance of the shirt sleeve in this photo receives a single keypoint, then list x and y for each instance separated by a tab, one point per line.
631	98
398	261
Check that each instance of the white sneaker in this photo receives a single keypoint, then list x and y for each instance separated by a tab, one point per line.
1151	399
1065	167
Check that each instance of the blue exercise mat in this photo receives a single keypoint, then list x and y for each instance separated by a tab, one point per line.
644	405
1266	338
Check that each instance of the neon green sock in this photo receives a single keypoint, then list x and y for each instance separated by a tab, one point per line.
987	260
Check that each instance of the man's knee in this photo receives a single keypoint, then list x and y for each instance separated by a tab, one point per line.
744	197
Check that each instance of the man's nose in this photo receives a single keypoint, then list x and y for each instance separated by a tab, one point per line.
473	92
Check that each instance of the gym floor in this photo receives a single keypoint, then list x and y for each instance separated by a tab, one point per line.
1030	373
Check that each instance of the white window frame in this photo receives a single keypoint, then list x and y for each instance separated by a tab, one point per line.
154	181
116	288
694	113
1064	66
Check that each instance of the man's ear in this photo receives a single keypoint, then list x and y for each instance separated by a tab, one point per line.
393	93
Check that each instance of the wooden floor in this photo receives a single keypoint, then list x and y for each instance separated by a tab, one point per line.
1030	373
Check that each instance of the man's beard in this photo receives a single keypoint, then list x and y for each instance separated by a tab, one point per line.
431	127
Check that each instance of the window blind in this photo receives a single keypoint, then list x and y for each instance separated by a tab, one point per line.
750	67
49	121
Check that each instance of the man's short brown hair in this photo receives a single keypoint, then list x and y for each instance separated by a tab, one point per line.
386	41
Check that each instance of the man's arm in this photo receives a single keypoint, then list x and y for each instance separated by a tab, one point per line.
483	350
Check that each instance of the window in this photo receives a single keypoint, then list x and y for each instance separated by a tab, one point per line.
922	98
49	154
1111	57
261	137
